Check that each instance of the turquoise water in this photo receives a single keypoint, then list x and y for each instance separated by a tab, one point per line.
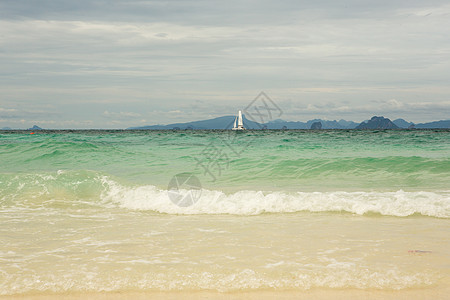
269	160
95	204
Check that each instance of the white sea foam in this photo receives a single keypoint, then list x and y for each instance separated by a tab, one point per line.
398	203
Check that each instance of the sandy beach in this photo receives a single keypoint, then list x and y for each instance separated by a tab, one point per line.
319	294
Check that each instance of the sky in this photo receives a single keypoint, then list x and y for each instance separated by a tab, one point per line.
118	63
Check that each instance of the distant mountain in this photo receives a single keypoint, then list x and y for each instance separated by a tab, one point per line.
35	127
225	122
402	123
316	126
377	123
6	128
347	124
436	124
280	124
341	124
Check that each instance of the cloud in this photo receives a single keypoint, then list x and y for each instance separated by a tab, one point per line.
8	113
210	58
7	110
395	104
124	115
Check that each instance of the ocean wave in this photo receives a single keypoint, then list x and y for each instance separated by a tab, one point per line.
247	202
83	188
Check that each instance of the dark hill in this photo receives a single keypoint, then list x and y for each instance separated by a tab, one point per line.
35	127
377	123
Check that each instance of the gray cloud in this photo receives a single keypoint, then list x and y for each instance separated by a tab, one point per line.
206	12
209	58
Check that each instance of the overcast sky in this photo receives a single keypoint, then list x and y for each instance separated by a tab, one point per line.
118	63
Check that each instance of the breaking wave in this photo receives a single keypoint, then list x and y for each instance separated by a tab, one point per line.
93	188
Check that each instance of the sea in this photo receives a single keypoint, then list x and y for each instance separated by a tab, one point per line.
223	211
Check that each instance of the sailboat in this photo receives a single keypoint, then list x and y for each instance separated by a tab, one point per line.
240	124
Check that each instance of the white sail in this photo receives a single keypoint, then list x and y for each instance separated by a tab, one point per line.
240	123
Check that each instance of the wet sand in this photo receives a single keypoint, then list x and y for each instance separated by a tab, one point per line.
428	293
